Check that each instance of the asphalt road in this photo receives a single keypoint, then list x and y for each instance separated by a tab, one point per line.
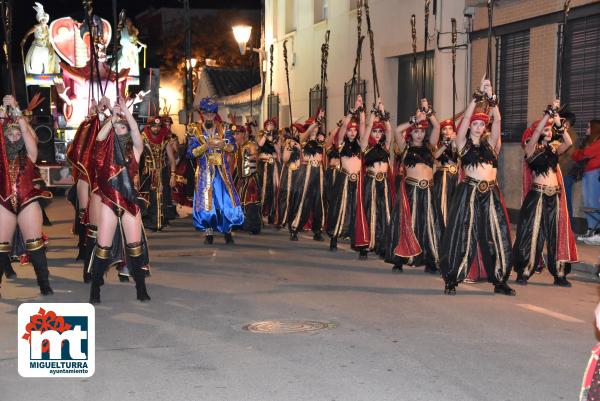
392	336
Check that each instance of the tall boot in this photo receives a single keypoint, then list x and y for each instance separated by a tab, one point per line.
101	260
135	257
4	258
36	250
90	244
80	227
6	248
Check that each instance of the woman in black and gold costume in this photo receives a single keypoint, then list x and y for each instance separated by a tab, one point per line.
291	158
416	212
478	220
544	215
377	194
306	200
445	178
268	168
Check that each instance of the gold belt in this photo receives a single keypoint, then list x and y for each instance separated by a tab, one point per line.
549	190
215	159
451	168
379	176
267	159
419	183
293	166
314	163
351	176
481	185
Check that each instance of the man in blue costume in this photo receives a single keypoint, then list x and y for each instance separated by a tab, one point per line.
216	202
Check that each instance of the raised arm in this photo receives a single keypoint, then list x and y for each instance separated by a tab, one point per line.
535	137
364	137
567	141
136	137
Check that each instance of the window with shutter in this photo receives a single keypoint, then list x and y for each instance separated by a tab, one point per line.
581	70
512	83
273	107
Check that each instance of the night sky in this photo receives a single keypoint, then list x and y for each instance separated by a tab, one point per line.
24	15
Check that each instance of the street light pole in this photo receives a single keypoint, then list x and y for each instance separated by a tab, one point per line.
242	36
189	96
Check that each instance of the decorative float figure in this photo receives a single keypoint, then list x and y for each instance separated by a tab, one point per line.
40	58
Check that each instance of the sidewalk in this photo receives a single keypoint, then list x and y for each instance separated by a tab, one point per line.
589	257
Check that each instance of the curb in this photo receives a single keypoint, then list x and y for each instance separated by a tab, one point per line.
590	269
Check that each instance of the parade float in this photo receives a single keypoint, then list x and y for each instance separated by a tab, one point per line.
58	65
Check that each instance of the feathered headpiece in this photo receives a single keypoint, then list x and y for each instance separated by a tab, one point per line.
39	11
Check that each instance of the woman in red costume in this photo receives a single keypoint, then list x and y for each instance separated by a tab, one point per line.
119	148
19	197
544	216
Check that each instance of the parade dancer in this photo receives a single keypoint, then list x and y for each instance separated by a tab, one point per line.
377	194
118	152
291	157
307	195
544	215
158	163
19	198
478	221
333	166
268	168
346	218
445	178
173	143
416	194
216	202
248	183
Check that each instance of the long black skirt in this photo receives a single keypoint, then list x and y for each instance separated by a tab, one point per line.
444	185
306	200
377	202
330	175
341	220
538	223
426	224
268	174
477	220
287	181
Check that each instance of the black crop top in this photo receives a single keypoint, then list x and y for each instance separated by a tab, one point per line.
350	149
450	156
295	152
312	147
268	148
333	153
418	154
543	159
376	154
477	155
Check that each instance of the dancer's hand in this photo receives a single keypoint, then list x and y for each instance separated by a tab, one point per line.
598	316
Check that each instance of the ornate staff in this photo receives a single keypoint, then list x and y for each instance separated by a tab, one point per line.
490	7
355	71
119	23
287	78
561	48
413	27
6	11
271	69
359	31
372	43
94	67
426	39
324	56
454	38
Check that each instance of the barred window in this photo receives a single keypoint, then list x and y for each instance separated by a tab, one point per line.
581	70
314	96
512	83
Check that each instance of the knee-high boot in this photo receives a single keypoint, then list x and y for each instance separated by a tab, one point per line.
6	268
36	250
135	256
5	249
90	244
81	232
101	260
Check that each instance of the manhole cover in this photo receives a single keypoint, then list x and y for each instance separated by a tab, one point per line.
286	326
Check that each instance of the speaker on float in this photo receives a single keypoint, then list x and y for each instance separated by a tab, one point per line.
45	135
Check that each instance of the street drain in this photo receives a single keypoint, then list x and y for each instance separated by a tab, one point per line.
287	326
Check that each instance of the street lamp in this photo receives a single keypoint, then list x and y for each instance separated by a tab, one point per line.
242	36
